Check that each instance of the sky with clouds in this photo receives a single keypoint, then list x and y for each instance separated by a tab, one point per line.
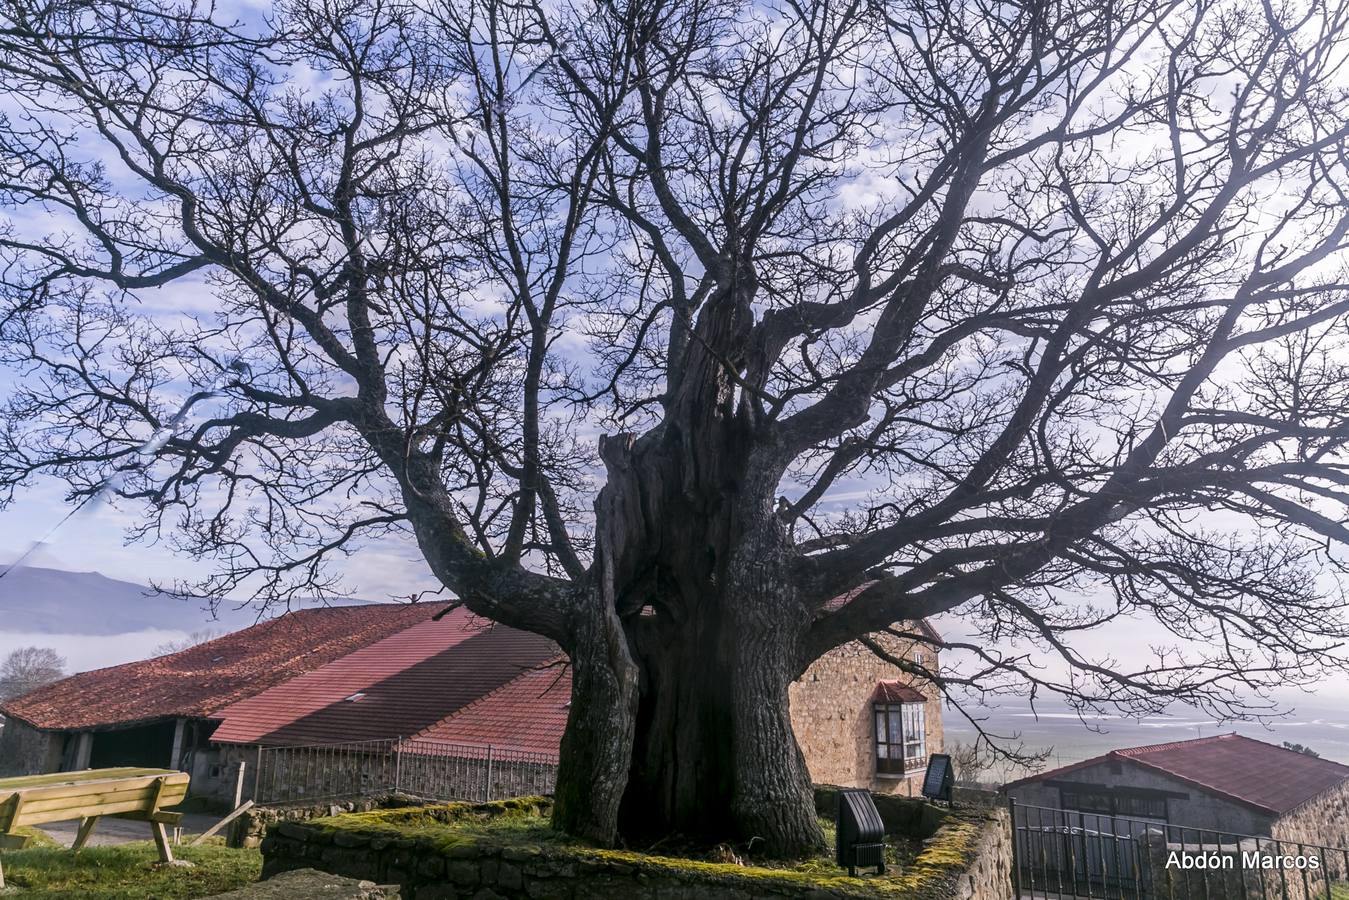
381	570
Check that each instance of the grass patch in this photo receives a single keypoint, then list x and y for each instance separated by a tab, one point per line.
36	837
916	867
128	872
528	826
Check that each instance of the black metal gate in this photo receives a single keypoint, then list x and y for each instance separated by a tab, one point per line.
1059	853
1063	853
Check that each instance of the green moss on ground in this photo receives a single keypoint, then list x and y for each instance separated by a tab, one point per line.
36	837
916	869
128	872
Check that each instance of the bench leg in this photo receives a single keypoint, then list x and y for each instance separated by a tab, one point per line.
86	828
162	842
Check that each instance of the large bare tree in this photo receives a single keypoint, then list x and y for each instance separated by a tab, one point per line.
605	302
29	668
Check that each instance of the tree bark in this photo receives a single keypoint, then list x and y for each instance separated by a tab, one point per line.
596	747
774	798
714	757
684	651
690	644
597	743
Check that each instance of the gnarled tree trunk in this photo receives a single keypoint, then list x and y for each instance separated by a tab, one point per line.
713	643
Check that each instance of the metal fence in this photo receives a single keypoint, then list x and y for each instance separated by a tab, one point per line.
1059	854
427	769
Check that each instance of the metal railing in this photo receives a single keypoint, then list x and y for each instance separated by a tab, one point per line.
428	769
1059	854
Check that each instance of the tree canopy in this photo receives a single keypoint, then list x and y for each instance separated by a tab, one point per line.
660	322
29	668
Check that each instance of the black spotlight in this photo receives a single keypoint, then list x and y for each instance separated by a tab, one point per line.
861	833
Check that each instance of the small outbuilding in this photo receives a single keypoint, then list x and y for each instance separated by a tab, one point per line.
161	712
1226	782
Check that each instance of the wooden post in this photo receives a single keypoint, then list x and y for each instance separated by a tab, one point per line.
239	784
84	749
157	828
15	807
11	842
487	784
239	811
162	842
86	828
176	754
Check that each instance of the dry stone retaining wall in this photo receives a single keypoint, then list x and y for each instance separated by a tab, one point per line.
442	863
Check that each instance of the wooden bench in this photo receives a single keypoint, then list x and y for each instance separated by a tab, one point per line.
125	793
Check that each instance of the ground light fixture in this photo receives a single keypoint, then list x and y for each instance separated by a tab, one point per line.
860	832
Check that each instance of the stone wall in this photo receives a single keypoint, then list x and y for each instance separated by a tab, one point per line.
250	827
1225	875
966	859
24	750
832	714
989	877
308	775
901	815
1324	822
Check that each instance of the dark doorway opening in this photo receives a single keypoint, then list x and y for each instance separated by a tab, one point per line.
146	745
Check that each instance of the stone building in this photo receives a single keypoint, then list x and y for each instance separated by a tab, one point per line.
463	707
1227	783
860	720
161	712
863	722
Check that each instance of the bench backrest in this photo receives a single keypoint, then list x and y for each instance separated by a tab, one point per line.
95	792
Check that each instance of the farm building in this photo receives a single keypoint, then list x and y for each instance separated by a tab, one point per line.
1226	782
339	700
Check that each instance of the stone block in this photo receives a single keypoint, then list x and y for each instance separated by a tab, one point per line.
462	871
487	894
437	892
548	889
510	877
521	854
296	831
431	866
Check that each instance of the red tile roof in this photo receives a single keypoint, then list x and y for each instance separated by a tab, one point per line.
456	681
897	692
1271	779
197	682
528	713
395	687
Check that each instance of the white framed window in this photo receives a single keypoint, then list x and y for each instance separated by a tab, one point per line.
901	737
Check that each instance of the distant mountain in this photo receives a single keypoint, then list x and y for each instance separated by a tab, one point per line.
51	601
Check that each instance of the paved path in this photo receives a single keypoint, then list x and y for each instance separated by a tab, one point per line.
121	831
